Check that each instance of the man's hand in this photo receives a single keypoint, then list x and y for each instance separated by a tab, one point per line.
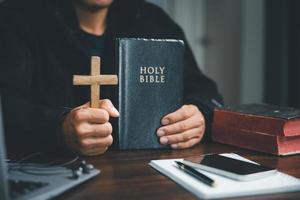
87	130
183	128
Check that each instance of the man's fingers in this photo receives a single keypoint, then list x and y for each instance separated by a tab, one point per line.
109	107
183	113
92	115
94	143
182	137
187	144
181	126
86	130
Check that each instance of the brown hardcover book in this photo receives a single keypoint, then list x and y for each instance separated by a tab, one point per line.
261	118
278	145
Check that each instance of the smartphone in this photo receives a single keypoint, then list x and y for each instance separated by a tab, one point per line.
229	167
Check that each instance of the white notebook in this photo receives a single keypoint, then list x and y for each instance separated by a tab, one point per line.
277	183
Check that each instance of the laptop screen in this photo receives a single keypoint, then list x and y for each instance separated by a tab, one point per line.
3	170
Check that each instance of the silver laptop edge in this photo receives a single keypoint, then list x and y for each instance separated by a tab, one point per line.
4	194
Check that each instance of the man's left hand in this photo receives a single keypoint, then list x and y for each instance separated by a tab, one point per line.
183	128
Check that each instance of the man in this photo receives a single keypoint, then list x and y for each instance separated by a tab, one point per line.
44	42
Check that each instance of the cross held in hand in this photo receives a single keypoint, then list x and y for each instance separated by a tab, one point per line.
95	80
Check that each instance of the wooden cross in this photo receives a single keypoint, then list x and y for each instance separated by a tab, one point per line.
95	80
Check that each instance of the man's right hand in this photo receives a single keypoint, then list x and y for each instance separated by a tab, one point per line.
87	130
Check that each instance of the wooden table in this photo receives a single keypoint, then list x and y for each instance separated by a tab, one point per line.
127	175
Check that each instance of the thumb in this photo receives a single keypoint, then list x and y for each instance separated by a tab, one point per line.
109	107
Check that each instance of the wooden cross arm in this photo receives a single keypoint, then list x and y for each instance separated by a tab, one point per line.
99	80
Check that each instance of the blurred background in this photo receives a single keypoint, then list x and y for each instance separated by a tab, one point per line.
249	47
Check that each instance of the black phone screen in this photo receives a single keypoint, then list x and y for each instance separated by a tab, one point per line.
230	164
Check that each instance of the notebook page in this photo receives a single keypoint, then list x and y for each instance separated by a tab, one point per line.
277	183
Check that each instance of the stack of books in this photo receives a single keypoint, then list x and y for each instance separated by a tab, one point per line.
261	127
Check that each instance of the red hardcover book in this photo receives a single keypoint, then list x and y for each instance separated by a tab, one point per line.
278	145
260	118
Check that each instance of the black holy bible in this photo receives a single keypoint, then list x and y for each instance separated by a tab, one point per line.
150	86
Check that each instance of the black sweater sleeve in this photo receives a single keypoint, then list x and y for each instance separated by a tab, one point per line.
28	125
199	90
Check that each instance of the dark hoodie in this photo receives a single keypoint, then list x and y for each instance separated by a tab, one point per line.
40	50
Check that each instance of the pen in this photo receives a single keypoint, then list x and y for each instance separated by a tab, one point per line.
216	103
194	173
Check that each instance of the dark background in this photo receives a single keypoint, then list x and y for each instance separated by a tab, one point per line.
282	63
250	47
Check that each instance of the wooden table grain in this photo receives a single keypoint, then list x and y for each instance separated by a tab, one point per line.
127	175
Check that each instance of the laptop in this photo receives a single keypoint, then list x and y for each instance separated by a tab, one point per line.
19	185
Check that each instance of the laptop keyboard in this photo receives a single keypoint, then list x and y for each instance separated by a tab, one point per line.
19	188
